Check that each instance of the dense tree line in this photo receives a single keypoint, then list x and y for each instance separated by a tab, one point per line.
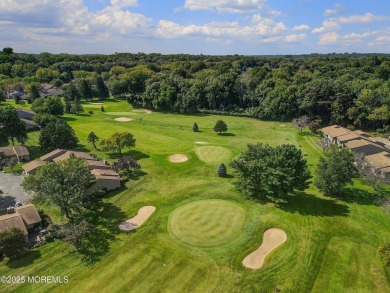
347	89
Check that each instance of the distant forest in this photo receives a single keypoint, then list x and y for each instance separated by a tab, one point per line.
347	89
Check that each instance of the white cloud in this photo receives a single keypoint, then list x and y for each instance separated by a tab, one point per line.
337	10
366	18
327	25
259	29
124	3
225	6
329	38
302	27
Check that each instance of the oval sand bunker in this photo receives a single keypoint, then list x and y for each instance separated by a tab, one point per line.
123	119
272	239
178	158
143	214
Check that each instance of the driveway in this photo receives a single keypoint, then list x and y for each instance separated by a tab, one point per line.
10	184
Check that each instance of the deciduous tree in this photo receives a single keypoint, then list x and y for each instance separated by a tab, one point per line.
118	141
57	134
12	243
220	127
335	170
12	127
65	184
271	172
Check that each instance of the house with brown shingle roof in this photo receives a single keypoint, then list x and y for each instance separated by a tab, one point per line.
25	218
366	147
105	177
380	163
68	154
375	150
52	155
32	167
19	152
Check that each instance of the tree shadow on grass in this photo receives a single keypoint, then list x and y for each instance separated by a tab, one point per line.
310	205
69	119
25	260
226	134
359	196
106	220
138	155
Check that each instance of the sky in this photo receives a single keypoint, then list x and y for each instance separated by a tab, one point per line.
212	27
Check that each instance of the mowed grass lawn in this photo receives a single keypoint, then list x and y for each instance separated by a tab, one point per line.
331	244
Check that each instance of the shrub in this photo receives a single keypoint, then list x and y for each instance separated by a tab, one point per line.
221	171
195	127
90	112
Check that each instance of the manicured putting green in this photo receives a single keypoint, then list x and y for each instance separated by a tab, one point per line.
213	154
207	222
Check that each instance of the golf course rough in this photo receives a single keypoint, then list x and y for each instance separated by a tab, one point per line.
213	154
206	223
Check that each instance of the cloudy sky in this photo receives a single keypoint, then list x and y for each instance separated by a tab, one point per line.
215	27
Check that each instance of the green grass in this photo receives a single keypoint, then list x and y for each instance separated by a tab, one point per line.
213	154
207	222
331	245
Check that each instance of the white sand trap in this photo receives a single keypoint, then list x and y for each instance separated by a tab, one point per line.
142	111
178	158
201	142
123	119
97	103
272	238
143	214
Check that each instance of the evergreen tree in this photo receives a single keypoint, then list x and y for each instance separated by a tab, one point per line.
76	106
102	108
221	171
195	127
220	127
85	90
101	88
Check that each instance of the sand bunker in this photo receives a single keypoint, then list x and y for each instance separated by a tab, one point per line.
143	214
97	103
178	158
201	142
142	111
123	119
272	238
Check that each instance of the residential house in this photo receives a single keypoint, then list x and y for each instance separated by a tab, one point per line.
19	152
25	218
380	164
50	90
105	177
17	93
374	150
52	155
32	167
